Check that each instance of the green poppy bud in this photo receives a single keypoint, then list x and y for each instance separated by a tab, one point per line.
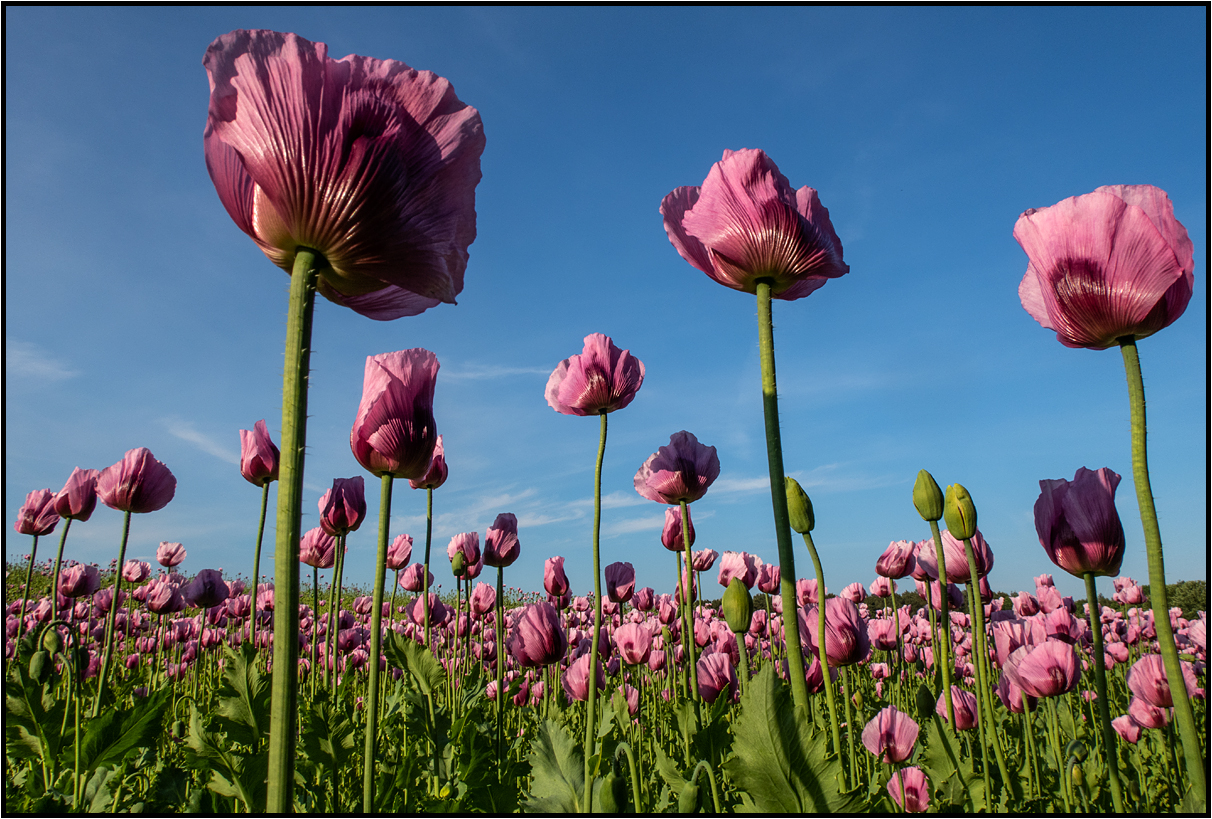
613	795
927	497
737	606
960	512
458	564
925	702
1079	778
178	729
688	802
40	666
52	641
799	508
1076	750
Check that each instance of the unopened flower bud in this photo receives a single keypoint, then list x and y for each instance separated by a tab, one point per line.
1079	778
178	729
52	641
857	699
927	497
799	507
737	606
613	796
688	802
458	564
1076	750
40	666
925	702
960	512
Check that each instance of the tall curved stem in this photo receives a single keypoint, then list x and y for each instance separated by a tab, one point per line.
256	577
821	654
54	595
591	726
376	650
944	661
283	708
1100	681
113	617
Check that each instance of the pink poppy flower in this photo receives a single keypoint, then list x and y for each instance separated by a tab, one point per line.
37	516
747	223
1046	670
681	471
1078	525
714	673
634	641
394	432
437	471
78	497
846	640
80	580
317	548
170	554
964	703
916	789
501	545
1104	265
137	483
620	582
601	379
554	579
1147	680
258	455
483	599
343	508
671	534
740	565
399	552
890	735
898	559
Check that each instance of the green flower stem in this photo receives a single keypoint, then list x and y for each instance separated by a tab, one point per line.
688	595
376	650
976	610
778	495
29	575
283	709
1029	743
113	617
1100	681
315	628
680	680
67	524
1060	759
983	729
256	577
335	614
592	698
1184	716
821	654
854	774
625	748
715	791
943	661
500	635
425	573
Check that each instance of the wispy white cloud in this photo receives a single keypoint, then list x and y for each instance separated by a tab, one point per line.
26	360
740	486
185	430
484	372
653	523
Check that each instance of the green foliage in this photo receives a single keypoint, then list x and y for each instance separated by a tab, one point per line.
116	734
1189	595
557	771
777	763
952	779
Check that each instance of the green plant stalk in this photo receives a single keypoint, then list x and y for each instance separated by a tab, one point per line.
315	631
778	496
335	614
54	595
376	650
283	709
330	638
625	747
680	681
821	654
428	542
113	617
853	775
688	596
944	617
592	698
715	791
1100	681
256	578
1054	731
976	609
500	635
1184	716
1029	743
29	575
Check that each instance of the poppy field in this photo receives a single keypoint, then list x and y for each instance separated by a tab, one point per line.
731	685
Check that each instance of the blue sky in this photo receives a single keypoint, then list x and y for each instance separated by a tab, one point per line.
137	314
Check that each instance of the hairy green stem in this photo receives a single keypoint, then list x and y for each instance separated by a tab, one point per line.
113	617
821	654
376	650
1100	680
283	708
1184	716
944	662
592	698
256	578
29	575
500	635
625	748
778	496
54	595
425	573
686	584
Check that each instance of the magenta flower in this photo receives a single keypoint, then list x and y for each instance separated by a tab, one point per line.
554	580
537	638
318	549
620	582
399	552
1147	680
136	571
601	379
37	516
483	599
703	560
258	455
576	678
164	597
394	432
671	535
78	497
855	593
1147	715
469	544
137	483
206	590
746	223
740	565
343	507
957	558
1078	525
437	472
439	612
81	580
714	673
890	735
1046	670
1108	264
964	703
501	545
916	789
1128	728
368	162
846	640
644	599
634	641
881	587
768	579
170	554
681	471
412	578
897	561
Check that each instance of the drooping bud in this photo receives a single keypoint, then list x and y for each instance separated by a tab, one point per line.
688	802
799	507
927	497
959	512
925	703
1079	778
458	564
40	666
737	606
1076	750
613	796
857	699
52	641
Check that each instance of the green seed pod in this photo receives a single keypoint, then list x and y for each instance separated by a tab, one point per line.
1079	778
927	497
52	641
40	666
960	512
667	637
799	507
178	729
925	702
688	802
1076	750
458	564
613	796
857	699
737	606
